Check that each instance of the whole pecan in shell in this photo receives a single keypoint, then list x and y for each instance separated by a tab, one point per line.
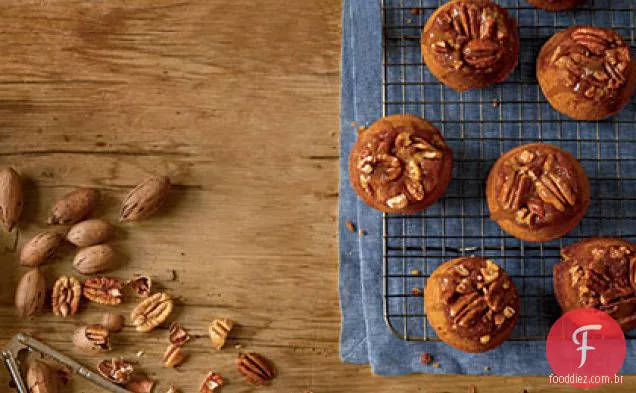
11	198
116	370
95	259
151	312
30	293
40	248
256	369
90	232
145	199
92	338
74	206
103	290
67	292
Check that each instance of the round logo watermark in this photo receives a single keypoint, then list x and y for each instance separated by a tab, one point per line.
585	348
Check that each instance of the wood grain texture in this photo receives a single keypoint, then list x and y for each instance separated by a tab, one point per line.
238	102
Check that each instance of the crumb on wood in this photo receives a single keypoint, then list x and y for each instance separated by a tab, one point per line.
350	225
426	358
174	275
416	291
140	354
436	365
238	346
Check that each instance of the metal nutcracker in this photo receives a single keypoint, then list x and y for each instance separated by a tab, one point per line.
21	342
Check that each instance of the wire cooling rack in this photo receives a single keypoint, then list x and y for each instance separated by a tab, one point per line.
479	126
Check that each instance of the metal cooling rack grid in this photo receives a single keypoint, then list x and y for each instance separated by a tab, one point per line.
479	126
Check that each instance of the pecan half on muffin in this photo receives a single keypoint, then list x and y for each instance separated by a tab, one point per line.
400	164
470	44
471	303
537	192
586	72
555	5
599	273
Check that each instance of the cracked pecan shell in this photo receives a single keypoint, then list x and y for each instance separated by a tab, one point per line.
211	383
140	285
470	44
151	312
255	369
103	290
400	164
116	370
42	378
471	303
66	296
537	192
586	72
555	5
92	338
599	273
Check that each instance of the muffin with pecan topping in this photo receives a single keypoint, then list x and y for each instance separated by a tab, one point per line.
400	164
555	5
471	303
537	192
470	44
599	273
586	72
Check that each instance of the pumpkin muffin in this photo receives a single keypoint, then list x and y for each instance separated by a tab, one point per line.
555	5
400	164
537	192
470	44
472	304
586	72
599	273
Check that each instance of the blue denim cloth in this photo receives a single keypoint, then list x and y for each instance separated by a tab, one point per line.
365	337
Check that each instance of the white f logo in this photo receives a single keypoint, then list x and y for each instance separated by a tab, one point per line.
584	347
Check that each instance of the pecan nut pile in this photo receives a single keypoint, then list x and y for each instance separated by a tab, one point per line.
116	370
595	62
66	296
103	290
471	37
480	299
256	369
538	186
401	163
151	312
599	273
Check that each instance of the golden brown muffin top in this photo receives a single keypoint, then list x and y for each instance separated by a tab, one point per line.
480	299
471	36
398	163
595	62
603	273
537	186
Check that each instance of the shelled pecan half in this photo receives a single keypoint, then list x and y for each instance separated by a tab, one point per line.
174	356
67	292
151	312
219	330
92	338
103	290
256	369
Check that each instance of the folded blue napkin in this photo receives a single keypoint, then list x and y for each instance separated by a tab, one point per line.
365	336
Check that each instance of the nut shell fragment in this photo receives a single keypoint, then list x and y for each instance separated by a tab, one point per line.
41	378
219	330
66	296
151	312
30	293
116	370
11	198
145	199
90	232
94	259
40	248
74	206
144	385
178	335
92	338
141	285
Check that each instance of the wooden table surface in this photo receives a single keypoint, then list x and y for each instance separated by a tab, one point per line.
238	102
